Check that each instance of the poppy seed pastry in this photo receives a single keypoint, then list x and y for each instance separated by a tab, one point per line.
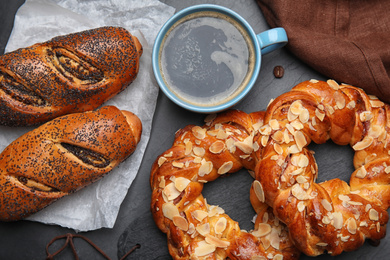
63	156
294	213
67	74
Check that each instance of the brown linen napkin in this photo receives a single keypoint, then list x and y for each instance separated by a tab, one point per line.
348	41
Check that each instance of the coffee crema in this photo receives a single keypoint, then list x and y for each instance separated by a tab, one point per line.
206	58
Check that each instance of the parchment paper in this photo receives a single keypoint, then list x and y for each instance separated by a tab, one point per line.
97	205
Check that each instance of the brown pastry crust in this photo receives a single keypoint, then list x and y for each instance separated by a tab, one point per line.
293	212
63	156
71	73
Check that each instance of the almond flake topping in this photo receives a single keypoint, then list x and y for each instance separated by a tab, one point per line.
278	149
314	81
339	99
181	183
296	107
199	132
327	205
300	140
217	147
333	84
205	168
258	189
216	241
177	164
226	167
204	248
319	114
246	146
373	215
188	144
171	192
299	193
361	172
180	222
351	226
366	142
297	125
301	206
278	136
265	130
199	214
161	161
278	257
274	124
337	220
365	116
220	226
199	151
222	135
351	105
376	103
203	229
263	229
304	116
169	210
210	118
275	239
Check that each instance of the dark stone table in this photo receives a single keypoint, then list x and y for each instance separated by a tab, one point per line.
134	225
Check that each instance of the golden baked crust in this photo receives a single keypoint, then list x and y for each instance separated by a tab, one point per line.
63	156
71	73
314	217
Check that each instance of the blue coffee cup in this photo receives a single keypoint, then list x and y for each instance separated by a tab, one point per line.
206	58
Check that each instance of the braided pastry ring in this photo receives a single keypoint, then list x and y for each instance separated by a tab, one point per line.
329	216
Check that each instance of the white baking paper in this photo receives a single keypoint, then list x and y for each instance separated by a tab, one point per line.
97	205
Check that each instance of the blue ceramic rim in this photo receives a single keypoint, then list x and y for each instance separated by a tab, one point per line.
156	49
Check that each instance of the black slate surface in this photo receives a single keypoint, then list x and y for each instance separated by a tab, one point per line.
134	225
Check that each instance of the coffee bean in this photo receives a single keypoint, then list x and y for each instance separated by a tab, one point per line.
278	72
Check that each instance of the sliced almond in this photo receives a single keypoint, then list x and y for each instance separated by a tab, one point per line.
296	107
333	84
262	230
181	183
171	192
205	168
199	151
278	149
177	164
326	204
220	225
225	167
351	105
337	220
180	222
366	142
169	210
299	193
258	189
376	103
245	146
339	99
216	241
373	215
161	161
274	124
222	135
199	132
278	136
203	229
203	248
351	226
366	116
304	116
319	114
301	206
361	172
217	147
300	140
188	147
265	130
199	214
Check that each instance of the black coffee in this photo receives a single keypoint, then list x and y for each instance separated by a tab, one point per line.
206	58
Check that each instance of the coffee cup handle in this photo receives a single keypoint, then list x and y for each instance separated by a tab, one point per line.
272	39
